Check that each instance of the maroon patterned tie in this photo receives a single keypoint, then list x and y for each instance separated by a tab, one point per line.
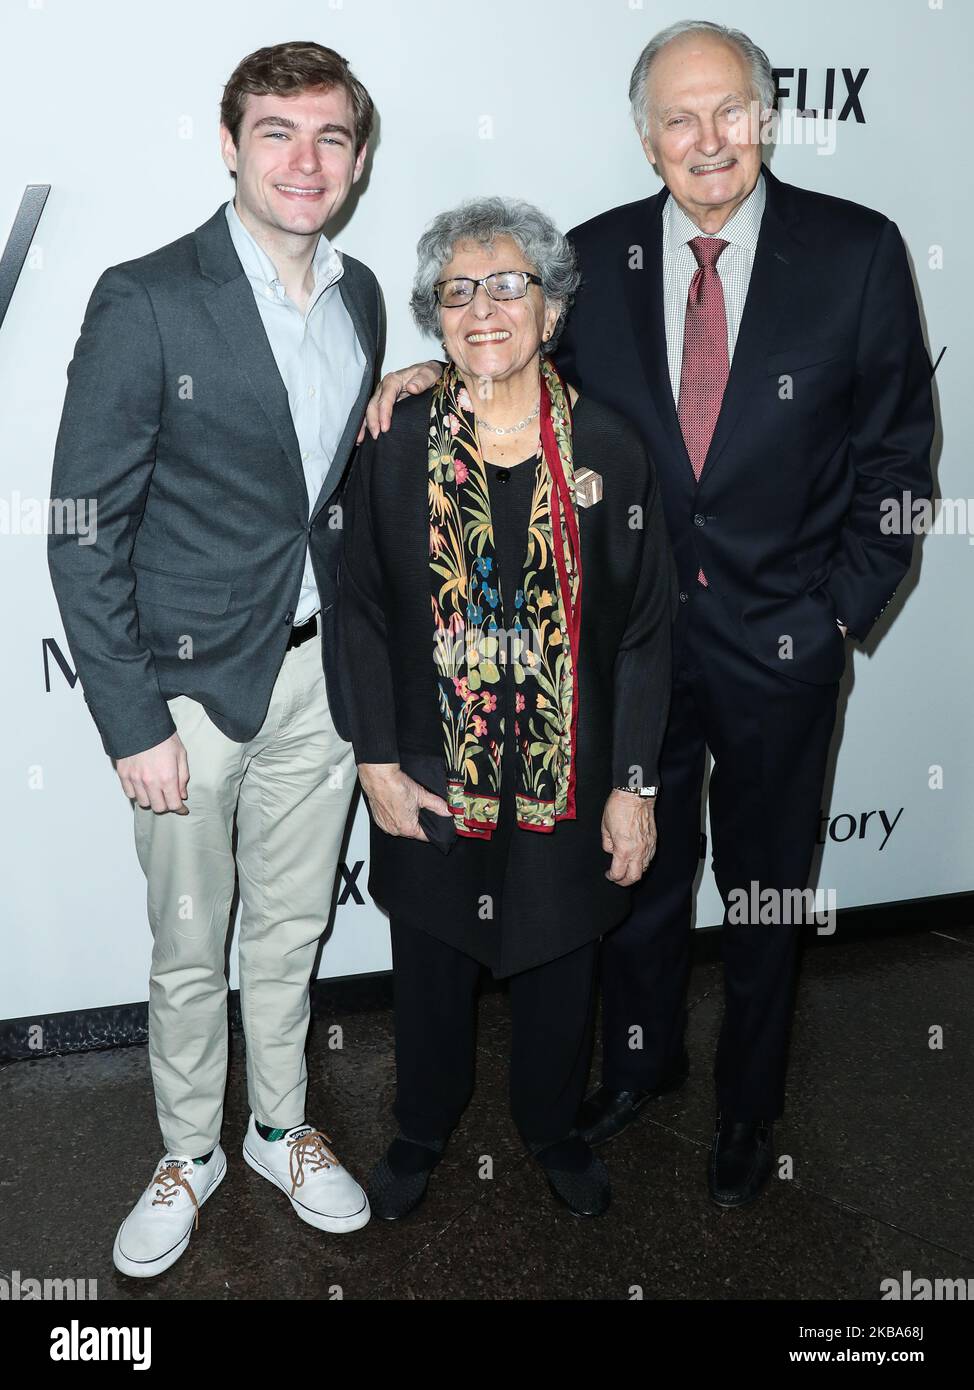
705	369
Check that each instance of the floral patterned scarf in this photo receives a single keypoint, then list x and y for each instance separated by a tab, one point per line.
474	639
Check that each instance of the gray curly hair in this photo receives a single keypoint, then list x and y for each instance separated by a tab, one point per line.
762	78
484	220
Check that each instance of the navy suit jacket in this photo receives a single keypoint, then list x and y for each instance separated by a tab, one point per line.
827	411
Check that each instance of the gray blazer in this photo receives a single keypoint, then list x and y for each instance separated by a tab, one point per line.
176	424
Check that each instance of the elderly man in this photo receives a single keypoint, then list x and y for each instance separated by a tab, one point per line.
766	342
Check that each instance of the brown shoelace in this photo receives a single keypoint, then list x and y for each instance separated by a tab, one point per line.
310	1148
168	1180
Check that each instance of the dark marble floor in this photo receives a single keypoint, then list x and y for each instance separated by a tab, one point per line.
879	1127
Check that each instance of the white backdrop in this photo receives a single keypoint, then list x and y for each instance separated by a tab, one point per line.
115	105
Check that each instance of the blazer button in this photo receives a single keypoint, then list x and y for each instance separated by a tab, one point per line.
288	618
683	597
698	520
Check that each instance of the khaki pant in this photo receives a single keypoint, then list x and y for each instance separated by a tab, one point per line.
290	788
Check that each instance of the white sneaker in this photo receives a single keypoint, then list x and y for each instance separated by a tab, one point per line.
330	1197
157	1229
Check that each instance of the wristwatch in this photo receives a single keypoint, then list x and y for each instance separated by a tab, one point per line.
638	791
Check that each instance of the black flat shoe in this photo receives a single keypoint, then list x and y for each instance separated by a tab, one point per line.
741	1159
578	1179
606	1113
398	1182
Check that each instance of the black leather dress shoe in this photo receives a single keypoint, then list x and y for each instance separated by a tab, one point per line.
606	1113
741	1159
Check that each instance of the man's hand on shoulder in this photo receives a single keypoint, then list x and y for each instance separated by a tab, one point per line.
395	386
158	777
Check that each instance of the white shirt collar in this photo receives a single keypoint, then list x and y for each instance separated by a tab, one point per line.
741	228
326	263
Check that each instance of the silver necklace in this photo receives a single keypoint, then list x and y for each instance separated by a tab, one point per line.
510	429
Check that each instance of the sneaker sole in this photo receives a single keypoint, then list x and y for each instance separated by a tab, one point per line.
148	1269
335	1224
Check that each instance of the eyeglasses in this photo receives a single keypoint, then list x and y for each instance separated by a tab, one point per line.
503	284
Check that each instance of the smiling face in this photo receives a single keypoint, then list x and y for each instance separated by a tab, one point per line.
491	338
296	160
704	134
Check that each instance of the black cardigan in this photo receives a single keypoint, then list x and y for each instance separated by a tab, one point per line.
522	897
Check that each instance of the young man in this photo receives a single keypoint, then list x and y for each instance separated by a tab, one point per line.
213	402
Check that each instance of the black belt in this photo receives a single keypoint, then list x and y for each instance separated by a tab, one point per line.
302	633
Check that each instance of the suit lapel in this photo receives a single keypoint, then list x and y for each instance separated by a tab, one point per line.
234	310
644	297
767	295
357	313
353	302
232	305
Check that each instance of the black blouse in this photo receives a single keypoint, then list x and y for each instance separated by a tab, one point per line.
521	897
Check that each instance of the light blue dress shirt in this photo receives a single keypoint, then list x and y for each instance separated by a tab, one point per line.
320	360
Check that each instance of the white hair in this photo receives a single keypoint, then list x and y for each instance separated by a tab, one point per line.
757	60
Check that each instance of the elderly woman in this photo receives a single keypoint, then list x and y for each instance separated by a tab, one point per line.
504	612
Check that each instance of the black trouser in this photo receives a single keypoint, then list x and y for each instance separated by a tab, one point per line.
769	737
435	988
